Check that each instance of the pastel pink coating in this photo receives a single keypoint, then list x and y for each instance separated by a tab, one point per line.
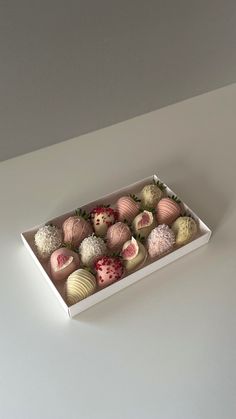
108	270
161	240
62	263
75	229
127	208
167	211
117	235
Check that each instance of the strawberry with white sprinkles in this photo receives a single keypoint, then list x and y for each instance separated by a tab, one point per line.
108	270
102	218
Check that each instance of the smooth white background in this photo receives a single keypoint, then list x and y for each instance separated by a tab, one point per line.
70	67
163	348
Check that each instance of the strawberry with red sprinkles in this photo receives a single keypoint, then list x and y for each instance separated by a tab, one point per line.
102	217
108	270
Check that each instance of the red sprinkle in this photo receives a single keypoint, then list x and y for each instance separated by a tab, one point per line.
105	211
114	263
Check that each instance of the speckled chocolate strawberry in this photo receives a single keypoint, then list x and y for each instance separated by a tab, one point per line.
108	270
102	218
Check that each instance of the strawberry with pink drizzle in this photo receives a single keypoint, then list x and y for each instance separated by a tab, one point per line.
62	263
102	218
167	211
127	207
108	270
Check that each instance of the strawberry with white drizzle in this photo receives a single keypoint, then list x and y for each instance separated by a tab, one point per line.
102	218
108	270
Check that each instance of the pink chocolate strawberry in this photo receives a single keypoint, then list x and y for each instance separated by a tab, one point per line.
167	211
108	270
127	207
63	262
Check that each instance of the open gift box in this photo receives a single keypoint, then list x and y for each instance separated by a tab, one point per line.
202	237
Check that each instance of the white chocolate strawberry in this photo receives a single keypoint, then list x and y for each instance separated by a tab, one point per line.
130	249
143	224
102	218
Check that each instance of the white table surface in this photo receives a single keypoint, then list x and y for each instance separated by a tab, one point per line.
163	348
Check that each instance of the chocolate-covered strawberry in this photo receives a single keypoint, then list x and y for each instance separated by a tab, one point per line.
168	210
127	208
102	218
62	263
133	254
143	224
76	228
108	270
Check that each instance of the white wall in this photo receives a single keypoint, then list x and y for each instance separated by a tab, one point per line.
69	67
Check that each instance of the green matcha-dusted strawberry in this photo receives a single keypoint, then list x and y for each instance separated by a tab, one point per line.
150	195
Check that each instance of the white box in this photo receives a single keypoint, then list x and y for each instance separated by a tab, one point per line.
203	237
